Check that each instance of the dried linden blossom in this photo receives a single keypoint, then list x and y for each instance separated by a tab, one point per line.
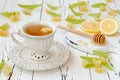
26	9
109	0
113	12
73	11
3	29
70	25
12	16
5	68
80	5
46	30
74	20
56	19
55	16
99	63
26	12
102	8
84	9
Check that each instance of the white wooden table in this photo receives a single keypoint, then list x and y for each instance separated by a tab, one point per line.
72	70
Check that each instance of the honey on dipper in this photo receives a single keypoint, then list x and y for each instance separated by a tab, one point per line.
99	38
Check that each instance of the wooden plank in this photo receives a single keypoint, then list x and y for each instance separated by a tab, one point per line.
2	4
49	74
94	75
8	7
117	3
75	69
5	7
45	16
115	62
24	74
35	16
18	73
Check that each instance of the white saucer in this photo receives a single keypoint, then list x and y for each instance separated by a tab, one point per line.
59	55
86	45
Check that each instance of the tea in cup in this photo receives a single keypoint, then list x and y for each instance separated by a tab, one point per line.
38	37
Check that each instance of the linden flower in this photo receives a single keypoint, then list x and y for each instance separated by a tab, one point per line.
6	69
102	8
97	63
112	13
70	16
3	33
15	17
99	69
109	0
70	25
84	9
26	12
84	63
56	19
98	20
103	60
46	30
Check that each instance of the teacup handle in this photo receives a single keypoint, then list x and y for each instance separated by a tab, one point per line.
14	39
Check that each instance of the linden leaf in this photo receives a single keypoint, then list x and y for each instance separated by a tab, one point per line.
96	15
100	53
74	20
118	11
2	64
9	14
82	3
74	12
98	5
29	7
4	26
89	65
53	7
108	66
52	13
89	59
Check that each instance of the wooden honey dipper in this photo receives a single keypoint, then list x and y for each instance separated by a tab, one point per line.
97	38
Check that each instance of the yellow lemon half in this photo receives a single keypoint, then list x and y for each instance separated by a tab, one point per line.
90	26
109	26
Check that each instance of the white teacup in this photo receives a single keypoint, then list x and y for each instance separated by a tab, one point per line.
39	45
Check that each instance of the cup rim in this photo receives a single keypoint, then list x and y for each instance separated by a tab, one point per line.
41	23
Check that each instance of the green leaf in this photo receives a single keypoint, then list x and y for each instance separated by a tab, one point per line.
74	12
2	64
82	3
52	13
118	11
108	66
74	21
89	59
29	7
9	14
53	7
96	15
4	26
98	5
89	65
101	53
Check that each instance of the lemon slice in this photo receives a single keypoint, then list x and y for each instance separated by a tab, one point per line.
90	26
109	26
